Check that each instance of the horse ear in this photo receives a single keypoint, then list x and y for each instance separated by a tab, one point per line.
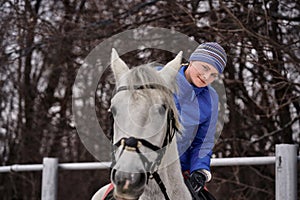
118	66
170	70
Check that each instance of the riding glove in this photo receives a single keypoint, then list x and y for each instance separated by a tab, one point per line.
197	180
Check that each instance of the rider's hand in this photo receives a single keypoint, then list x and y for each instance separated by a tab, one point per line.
198	180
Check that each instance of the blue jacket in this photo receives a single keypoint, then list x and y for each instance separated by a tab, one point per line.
198	110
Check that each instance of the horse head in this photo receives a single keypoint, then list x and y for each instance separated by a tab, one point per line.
145	122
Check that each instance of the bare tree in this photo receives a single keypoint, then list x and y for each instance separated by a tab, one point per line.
43	44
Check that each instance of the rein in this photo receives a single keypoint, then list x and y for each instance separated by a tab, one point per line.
134	144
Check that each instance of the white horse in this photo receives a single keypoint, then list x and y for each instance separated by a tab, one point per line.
146	164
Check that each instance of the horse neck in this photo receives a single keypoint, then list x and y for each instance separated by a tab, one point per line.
171	176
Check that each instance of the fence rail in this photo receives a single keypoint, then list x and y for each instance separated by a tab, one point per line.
62	166
285	161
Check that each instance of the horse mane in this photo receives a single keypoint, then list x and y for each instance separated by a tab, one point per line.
147	74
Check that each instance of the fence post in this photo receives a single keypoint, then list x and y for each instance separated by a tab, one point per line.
49	178
286	172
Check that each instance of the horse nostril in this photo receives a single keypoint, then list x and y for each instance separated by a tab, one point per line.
127	180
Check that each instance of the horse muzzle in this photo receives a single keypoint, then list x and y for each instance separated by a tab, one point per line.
128	185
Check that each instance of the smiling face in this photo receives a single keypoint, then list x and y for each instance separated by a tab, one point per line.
200	73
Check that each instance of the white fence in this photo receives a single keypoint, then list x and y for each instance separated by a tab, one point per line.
285	161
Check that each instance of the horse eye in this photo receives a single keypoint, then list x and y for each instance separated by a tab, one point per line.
162	109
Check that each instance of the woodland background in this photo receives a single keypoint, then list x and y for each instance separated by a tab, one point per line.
43	44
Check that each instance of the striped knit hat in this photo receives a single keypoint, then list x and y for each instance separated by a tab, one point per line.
211	53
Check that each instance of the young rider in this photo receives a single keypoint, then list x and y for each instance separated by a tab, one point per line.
197	103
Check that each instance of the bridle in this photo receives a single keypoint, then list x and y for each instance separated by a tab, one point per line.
133	144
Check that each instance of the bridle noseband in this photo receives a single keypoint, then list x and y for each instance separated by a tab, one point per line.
134	144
